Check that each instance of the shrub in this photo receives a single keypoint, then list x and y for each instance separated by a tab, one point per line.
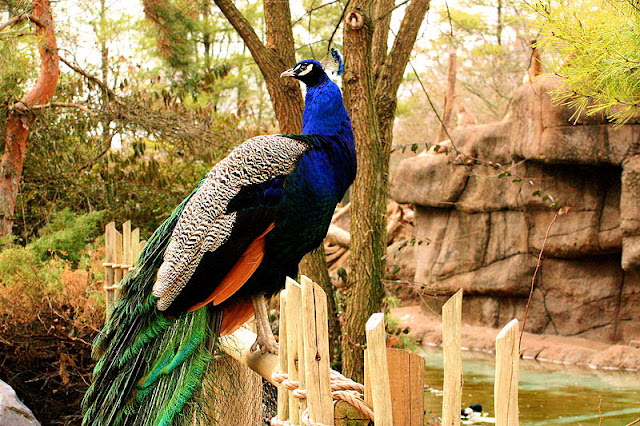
67	235
51	308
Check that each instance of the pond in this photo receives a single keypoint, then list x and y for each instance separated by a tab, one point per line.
549	394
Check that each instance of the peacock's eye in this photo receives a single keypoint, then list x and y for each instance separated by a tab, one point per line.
304	69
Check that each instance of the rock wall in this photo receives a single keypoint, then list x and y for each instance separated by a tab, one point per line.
483	234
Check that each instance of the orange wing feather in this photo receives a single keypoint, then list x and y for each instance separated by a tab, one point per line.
239	273
234	315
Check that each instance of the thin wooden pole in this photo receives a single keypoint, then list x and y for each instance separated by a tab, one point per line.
507	375
376	359
126	247
118	265
452	352
283	394
449	97
294	294
109	260
316	352
135	247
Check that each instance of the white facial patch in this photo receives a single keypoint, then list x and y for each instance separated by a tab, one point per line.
306	71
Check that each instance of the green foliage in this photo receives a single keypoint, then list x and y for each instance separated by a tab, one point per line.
22	270
465	20
396	334
168	145
67	235
175	29
597	47
37	267
16	69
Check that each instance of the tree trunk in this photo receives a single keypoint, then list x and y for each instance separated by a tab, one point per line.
368	197
277	56
373	114
20	119
449	97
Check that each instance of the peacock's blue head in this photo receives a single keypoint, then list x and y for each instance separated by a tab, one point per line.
309	71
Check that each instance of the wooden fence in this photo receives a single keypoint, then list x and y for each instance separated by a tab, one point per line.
121	251
506	375
309	392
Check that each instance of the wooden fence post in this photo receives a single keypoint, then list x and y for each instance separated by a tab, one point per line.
121	252
316	352
294	294
506	381
109	261
378	373
283	393
452	360
406	380
126	247
118	272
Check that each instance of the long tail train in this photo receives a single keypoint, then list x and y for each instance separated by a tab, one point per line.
149	365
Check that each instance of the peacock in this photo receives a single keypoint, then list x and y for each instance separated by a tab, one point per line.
207	268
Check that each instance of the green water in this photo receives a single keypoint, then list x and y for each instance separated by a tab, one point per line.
549	394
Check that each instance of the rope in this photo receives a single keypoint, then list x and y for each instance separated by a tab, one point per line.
342	389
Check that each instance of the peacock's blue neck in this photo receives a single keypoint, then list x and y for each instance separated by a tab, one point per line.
324	112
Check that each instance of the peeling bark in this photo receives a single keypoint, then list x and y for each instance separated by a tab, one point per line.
20	118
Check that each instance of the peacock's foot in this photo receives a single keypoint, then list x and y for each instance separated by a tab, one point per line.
267	344
265	339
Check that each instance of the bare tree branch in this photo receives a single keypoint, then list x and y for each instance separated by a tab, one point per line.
22	17
258	50
91	78
272	59
21	107
14	21
313	9
379	46
403	45
335	29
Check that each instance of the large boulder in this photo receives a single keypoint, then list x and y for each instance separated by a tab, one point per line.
12	411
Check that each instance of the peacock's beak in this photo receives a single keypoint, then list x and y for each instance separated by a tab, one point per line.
287	73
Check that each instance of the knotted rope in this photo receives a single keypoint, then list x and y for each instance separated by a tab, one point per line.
342	389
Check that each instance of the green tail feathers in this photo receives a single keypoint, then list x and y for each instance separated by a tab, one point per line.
149	366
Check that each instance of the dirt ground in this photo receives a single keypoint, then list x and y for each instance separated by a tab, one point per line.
556	349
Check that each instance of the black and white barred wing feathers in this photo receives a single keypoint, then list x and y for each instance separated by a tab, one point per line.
204	225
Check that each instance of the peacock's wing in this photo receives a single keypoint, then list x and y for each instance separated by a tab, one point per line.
223	271
226	220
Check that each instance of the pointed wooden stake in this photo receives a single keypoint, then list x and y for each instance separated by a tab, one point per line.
376	359
507	375
294	357
316	352
283	393
452	353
